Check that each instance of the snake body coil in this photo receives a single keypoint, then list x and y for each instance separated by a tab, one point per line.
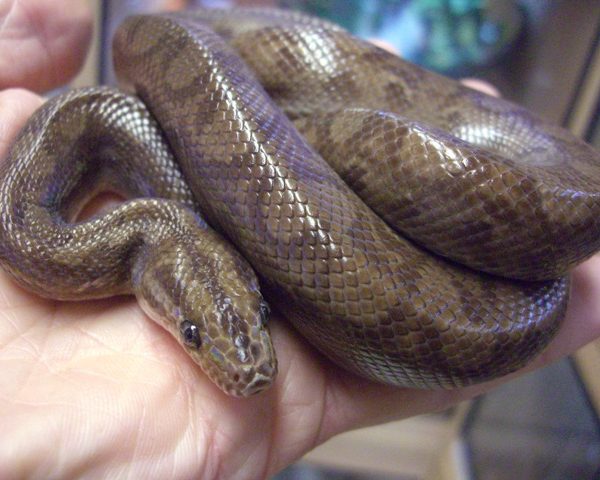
477	180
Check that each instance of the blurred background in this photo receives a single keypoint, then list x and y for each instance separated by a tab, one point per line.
544	54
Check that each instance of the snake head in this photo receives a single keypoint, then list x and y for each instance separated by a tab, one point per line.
207	296
231	342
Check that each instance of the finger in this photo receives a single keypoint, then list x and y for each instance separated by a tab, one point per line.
482	86
16	106
42	42
582	321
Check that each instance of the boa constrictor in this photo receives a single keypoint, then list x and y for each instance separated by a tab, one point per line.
233	114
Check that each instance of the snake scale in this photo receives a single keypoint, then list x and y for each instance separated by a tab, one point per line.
229	114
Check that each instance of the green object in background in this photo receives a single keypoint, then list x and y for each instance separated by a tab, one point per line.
361	17
454	37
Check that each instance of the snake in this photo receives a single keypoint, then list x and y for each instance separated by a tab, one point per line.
414	231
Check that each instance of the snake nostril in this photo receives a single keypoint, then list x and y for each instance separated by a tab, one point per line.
241	341
242	355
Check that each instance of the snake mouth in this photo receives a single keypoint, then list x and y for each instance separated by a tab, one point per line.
258	382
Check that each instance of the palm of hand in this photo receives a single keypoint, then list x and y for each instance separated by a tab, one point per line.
101	381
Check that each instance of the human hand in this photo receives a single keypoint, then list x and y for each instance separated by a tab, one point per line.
97	389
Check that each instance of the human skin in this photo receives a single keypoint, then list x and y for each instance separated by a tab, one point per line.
96	389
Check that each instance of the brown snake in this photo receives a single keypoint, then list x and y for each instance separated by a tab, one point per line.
472	178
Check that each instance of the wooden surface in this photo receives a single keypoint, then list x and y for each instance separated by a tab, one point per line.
409	448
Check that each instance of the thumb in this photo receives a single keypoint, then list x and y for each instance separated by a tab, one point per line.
42	42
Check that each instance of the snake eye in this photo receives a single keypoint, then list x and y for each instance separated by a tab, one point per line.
190	334
265	312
